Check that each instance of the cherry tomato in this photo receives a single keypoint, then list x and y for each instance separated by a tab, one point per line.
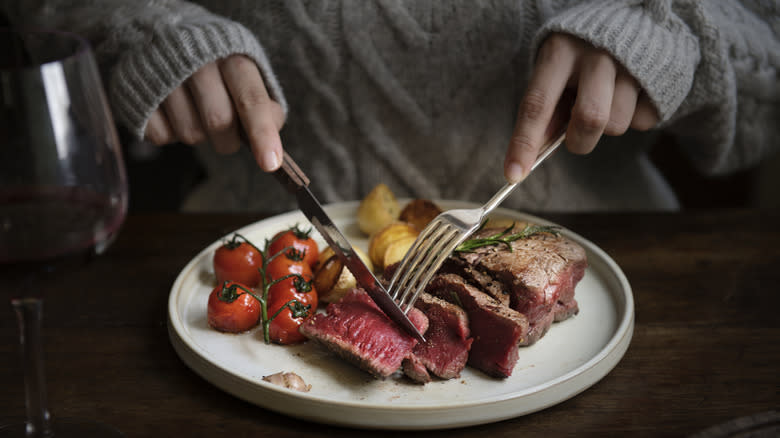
297	293
238	261
298	287
283	328
231	309
289	262
298	239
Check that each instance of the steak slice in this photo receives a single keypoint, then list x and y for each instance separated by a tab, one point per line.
357	330
497	330
481	280
447	341
415	369
565	310
539	272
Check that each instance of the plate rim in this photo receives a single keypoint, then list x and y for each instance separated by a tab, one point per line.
197	359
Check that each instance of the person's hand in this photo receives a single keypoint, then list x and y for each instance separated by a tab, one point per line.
607	100
215	104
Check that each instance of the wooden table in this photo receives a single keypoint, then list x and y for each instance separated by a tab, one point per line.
706	346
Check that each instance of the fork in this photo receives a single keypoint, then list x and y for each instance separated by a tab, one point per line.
442	235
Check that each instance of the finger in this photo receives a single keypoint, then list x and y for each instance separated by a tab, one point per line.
645	116
183	116
591	109
552	71
158	130
261	117
216	109
623	104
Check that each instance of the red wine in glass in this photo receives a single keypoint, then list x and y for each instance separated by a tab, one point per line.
63	193
46	229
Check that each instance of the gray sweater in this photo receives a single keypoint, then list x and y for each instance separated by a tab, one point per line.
422	95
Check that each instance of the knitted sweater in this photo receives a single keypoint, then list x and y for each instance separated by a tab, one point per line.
422	95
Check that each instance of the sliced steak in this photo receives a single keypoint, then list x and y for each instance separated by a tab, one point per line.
539	272
447	341
415	369
357	330
565	310
481	280
497	330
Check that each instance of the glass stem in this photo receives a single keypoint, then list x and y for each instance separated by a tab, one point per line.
29	313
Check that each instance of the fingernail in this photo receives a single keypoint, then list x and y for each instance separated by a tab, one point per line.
514	172
271	160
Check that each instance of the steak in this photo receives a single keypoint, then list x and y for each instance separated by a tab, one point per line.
539	273
565	310
415	369
481	280
447	341
479	309
497	330
357	330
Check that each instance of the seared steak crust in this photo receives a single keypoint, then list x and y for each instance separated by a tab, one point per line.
480	279
540	273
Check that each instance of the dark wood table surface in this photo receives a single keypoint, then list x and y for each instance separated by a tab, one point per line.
706	346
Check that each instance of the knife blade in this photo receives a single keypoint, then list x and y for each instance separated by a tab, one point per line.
293	178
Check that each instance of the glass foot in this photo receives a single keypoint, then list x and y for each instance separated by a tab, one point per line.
65	427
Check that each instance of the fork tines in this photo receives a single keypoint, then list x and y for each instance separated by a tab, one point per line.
423	259
448	230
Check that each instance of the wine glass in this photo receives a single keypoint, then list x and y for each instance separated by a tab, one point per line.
63	191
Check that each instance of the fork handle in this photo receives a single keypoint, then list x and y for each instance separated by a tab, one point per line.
502	193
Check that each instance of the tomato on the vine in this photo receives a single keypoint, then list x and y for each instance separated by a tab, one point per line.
232	309
291	261
239	261
299	239
292	298
283	328
298	287
283	276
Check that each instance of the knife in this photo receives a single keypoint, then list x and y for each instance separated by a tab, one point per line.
291	176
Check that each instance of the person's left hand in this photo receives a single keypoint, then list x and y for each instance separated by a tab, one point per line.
608	100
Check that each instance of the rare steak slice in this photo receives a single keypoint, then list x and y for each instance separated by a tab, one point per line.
357	330
539	272
497	330
447	341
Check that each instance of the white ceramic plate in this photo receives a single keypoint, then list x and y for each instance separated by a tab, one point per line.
571	357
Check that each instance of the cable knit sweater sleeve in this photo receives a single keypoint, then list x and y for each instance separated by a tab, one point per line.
146	51
709	67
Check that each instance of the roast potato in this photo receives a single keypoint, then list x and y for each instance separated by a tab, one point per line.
397	249
327	273
331	279
380	240
419	212
377	209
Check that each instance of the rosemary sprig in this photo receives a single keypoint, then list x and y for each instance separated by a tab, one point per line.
504	237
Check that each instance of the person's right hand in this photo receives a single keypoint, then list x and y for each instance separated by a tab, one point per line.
214	104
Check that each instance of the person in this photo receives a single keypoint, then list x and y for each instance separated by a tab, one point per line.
438	100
